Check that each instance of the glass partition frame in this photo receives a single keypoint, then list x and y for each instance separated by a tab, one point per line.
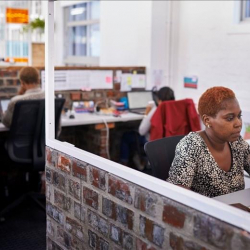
201	203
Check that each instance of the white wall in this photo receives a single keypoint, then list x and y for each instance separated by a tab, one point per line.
133	33
210	45
181	38
125	33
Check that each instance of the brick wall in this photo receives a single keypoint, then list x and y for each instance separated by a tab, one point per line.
88	208
9	85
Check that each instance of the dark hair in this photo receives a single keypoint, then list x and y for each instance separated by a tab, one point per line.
210	102
29	75
165	94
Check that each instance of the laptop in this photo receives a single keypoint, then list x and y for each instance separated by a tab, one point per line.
138	101
3	106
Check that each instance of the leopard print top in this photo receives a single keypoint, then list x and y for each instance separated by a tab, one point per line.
195	167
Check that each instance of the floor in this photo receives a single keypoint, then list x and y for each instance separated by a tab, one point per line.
24	228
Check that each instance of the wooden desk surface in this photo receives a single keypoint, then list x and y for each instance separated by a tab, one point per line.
89	118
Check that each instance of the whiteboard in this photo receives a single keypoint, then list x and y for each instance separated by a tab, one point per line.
81	79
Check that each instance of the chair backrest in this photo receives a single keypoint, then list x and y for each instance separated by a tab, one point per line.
26	141
173	118
160	154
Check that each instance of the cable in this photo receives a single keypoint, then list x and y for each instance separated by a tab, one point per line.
107	138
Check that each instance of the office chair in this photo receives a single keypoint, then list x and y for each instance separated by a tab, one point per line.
173	118
160	154
26	142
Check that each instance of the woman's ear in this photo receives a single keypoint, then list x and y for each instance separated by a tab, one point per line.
206	120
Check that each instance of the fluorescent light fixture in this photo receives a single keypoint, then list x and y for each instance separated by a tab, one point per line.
77	11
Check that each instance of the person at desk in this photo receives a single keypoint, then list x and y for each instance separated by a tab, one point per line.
164	94
29	90
212	162
132	142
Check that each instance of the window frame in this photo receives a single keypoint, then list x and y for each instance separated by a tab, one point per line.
243	10
211	207
75	59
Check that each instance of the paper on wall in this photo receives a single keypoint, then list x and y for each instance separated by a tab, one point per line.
81	79
126	82
138	81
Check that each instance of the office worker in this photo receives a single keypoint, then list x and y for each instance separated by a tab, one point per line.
164	94
29	90
212	162
132	143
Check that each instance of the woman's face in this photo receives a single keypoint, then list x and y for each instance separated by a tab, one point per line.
227	124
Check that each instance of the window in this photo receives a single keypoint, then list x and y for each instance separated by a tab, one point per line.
82	33
245	10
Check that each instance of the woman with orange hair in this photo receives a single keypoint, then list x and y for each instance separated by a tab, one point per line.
212	162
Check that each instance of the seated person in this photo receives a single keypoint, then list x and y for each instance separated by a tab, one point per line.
164	94
212	162
29	90
132	143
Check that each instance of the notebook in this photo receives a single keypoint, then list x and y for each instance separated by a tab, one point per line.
138	101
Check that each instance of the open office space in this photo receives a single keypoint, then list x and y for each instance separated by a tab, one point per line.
96	53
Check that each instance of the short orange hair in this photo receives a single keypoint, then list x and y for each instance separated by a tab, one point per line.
210	102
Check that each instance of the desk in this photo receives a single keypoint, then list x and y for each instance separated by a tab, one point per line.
242	197
89	118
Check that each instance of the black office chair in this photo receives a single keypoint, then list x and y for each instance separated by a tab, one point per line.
160	155
26	142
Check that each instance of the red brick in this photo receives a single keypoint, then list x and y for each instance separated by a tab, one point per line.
55	213
116	234
50	228
62	201
178	243
119	189
127	241
212	231
90	197
118	213
152	231
109	208
173	216
63	238
74	189
77	244
98	223
74	228
140	245
58	180
79	170
87	95
51	245
97	178
145	201
48	155
117	86
96	242
79	212
51	157
64	163
110	93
